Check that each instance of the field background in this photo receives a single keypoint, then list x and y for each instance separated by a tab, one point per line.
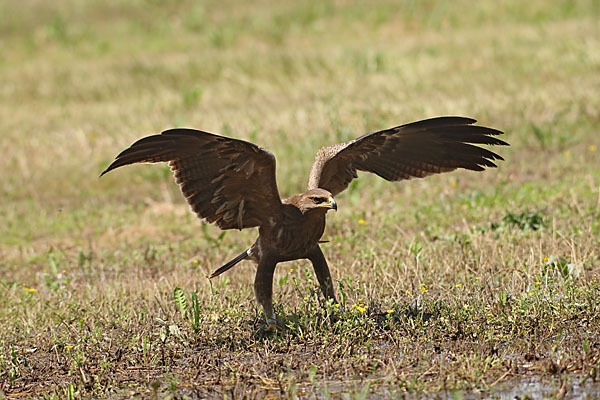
465	284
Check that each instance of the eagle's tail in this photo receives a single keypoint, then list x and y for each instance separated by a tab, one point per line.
230	264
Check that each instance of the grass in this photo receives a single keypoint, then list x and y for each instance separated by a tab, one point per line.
458	285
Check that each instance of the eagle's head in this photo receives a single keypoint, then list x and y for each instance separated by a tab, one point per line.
315	199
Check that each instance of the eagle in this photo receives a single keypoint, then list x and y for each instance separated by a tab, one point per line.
231	183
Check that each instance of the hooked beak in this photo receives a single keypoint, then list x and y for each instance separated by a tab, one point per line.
332	204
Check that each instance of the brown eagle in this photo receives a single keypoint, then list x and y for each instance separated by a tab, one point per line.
231	183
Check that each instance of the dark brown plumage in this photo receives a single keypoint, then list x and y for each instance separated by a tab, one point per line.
231	183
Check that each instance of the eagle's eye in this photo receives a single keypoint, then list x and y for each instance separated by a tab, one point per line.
317	200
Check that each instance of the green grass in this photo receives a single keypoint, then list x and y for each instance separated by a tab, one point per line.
458	285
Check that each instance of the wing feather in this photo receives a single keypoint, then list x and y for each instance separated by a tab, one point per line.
226	181
415	150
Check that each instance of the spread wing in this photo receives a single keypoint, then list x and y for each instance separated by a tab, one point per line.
409	151
226	181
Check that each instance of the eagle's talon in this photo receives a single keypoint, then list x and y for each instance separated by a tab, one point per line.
273	326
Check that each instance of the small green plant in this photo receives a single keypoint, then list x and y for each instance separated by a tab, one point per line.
70	391
195	312
415	249
13	365
526	220
561	265
503	298
53	278
190	311
180	300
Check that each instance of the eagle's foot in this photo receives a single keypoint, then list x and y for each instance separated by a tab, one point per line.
273	325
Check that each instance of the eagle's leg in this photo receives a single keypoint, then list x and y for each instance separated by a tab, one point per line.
319	263
263	290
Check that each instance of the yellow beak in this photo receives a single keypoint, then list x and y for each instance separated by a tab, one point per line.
331	204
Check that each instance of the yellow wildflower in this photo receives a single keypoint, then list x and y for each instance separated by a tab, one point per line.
538	283
567	153
361	221
458	285
390	311
531	293
546	258
424	290
453	184
291	269
69	346
592	147
361	309
194	261
490	314
478	277
30	290
337	305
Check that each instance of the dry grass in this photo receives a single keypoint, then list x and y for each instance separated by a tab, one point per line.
488	277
